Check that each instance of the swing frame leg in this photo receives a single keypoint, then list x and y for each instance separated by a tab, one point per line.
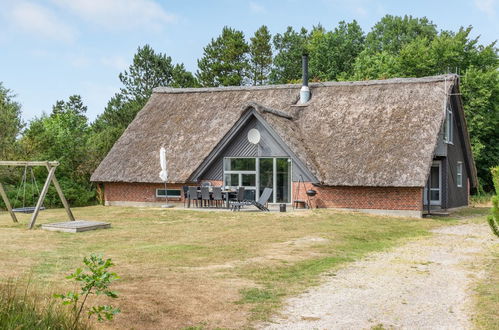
61	196
42	197
7	203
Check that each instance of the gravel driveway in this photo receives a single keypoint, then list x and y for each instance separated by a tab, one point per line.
425	284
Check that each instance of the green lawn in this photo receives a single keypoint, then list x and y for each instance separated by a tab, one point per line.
213	269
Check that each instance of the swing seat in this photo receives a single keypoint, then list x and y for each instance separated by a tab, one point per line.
28	209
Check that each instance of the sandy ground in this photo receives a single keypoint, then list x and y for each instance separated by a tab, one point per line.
425	284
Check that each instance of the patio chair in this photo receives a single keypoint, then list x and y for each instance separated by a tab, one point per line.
217	196
192	195
239	198
260	204
205	196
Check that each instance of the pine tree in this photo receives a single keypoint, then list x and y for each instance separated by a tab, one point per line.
289	47
261	55
225	60
149	70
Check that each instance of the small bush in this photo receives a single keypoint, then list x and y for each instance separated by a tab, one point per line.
495	178
21	307
95	279
493	219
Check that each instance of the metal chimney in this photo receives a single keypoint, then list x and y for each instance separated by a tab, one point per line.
304	91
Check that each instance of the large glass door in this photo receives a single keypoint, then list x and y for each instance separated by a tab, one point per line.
266	176
434	185
283	180
256	174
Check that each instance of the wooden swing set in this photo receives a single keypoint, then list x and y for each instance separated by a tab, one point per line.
51	167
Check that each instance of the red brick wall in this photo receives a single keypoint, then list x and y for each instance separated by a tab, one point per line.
136	192
381	198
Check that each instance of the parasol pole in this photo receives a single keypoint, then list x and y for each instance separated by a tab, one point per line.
164	173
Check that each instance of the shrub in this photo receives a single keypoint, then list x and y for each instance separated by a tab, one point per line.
95	280
493	219
75	193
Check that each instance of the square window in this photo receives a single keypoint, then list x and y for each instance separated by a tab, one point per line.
459	174
173	193
448	126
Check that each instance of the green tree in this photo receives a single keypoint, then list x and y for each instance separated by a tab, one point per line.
11	123
260	51
393	32
149	70
333	53
225	60
62	136
480	90
381	65
289	48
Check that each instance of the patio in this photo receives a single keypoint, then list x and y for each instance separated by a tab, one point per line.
207	197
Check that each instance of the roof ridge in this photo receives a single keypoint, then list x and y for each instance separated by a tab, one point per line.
171	90
264	109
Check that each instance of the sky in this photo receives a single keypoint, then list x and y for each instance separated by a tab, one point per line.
51	49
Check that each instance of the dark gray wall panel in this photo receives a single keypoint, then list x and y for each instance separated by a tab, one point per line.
239	146
456	196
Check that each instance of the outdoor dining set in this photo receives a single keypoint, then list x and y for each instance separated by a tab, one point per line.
224	197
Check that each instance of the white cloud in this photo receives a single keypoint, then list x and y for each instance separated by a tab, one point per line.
360	11
360	8
487	6
120	14
39	22
80	61
115	62
257	8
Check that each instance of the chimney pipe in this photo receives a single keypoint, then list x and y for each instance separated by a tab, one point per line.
305	91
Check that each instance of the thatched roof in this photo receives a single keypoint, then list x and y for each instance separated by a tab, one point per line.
370	133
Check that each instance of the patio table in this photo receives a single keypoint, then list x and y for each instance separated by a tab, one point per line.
225	193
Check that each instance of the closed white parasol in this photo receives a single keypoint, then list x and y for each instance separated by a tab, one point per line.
162	160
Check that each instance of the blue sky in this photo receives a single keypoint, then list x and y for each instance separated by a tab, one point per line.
51	49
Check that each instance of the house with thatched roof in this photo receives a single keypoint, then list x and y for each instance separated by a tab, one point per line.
391	146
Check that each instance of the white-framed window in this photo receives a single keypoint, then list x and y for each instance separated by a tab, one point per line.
170	193
459	174
448	126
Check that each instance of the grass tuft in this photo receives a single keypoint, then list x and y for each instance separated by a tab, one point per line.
254	295
487	298
21	307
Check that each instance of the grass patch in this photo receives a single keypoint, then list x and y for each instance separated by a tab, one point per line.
487	298
219	269
481	199
21	307
256	295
